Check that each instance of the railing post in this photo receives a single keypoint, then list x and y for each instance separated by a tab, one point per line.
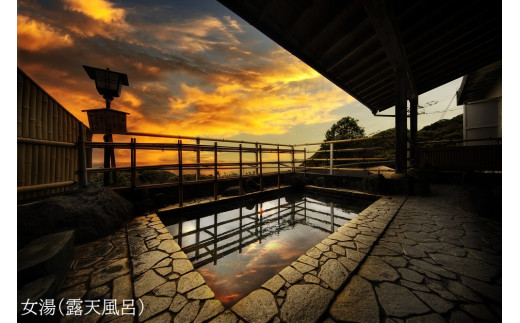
256	159
293	162
278	154
331	162
240	187
215	173
261	173
179	150
305	161
132	162
82	167
197	173
106	162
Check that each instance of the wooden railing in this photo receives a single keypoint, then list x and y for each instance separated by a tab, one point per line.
359	159
460	155
180	165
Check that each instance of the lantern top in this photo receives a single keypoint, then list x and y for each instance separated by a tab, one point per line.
108	83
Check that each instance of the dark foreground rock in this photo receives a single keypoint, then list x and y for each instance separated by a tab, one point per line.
93	212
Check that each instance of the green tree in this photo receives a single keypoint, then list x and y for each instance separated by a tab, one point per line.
346	128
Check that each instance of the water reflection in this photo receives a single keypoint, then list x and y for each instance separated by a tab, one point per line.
238	249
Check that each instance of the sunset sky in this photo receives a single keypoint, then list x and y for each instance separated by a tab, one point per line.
194	68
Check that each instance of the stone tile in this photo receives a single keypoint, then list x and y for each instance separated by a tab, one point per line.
438	304
274	284
322	247
85	263
365	239
259	306
108	273
314	253
425	267
72	281
399	301
411	275
460	317
291	275
330	255
80	272
395	247
445	248
163	263
361	247
433	318
179	255
188	313
122	288
379	250
328	242
311	279
202	292
439	288
308	260
375	269
473	268
147	282
136	246
182	266
210	309
164	317
98	293
480	312
355	255
77	291
305	303
333	273
413	251
151	244
168	246
164	271
152	305
146	261
189	281
164	236
339	237
303	268
414	286
357	302
493	292
462	291
347	263
167	289
348	244
178	303
226	317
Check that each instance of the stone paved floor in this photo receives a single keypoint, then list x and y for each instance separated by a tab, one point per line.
433	263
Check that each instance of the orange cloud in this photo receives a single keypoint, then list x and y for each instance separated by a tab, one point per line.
97	9
37	36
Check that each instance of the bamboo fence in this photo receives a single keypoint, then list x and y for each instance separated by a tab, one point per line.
47	157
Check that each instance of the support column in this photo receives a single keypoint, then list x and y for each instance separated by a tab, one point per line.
400	122
413	131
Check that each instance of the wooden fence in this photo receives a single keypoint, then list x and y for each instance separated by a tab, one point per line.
450	155
46	142
214	165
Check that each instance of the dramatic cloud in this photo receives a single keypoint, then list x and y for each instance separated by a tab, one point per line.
97	9
192	71
38	36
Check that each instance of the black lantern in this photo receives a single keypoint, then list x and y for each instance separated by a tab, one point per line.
108	83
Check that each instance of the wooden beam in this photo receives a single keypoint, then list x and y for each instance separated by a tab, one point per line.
389	35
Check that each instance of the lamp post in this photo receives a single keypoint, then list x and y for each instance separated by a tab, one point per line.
106	120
